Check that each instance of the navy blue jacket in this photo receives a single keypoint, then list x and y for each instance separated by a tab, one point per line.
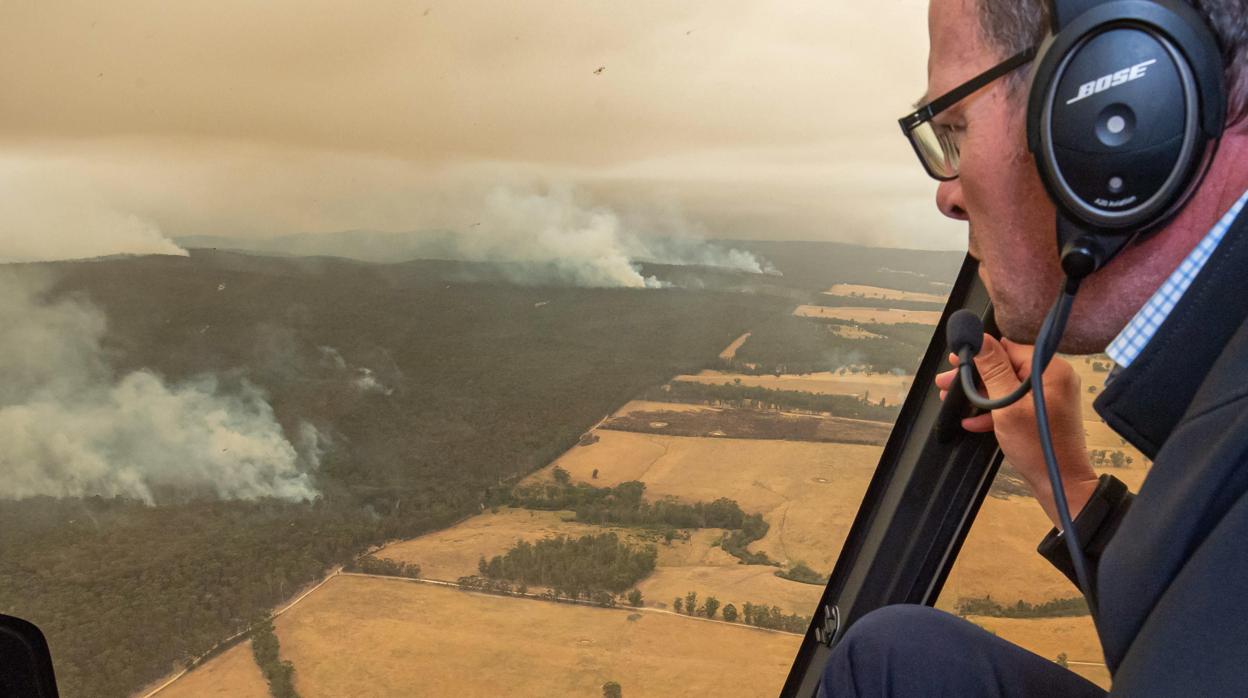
1171	563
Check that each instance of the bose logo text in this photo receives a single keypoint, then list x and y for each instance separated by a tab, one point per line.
1105	82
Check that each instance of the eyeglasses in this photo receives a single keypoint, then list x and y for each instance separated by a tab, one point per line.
937	144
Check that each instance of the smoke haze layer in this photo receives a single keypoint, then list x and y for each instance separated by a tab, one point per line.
70	427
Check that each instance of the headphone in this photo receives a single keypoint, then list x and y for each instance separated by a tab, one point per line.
1126	110
1127	105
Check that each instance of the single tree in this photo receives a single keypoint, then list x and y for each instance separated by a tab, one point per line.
634	598
611	689
710	607
678	605
691	603
730	613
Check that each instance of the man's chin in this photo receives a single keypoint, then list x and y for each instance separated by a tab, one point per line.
1017	327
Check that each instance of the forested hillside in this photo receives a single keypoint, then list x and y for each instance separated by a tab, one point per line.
426	391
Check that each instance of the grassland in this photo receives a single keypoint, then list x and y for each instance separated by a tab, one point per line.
854	332
453	552
807	492
878	316
731	350
232	674
1049	637
878	293
361	636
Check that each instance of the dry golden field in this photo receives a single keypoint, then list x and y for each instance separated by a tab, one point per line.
731	350
362	636
231	674
651	406
878	385
453	552
890	294
1049	637
730	583
854	332
808	492
882	316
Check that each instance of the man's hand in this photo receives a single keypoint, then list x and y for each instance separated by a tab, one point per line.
1003	365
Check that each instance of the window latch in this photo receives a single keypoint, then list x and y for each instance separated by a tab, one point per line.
826	632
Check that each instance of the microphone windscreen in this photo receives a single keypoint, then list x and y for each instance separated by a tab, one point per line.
965	329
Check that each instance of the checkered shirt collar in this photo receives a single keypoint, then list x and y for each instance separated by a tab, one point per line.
1127	346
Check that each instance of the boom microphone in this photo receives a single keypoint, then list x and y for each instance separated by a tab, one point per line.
965	331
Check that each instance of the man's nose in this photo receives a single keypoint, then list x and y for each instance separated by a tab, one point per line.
949	200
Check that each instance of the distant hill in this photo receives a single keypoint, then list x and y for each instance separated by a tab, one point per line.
806	265
819	265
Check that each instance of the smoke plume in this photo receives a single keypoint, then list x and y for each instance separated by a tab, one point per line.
49	213
70	426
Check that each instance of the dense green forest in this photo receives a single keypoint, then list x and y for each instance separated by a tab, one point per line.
574	566
790	344
483	384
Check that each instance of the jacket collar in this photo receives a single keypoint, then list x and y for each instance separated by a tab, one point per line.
1146	400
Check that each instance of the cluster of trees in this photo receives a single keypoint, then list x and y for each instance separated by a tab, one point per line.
589	563
737	395
1054	608
708	609
801	572
1102	458
503	587
371	564
278	672
626	505
758	615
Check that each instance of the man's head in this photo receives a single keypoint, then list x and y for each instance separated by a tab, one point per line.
999	193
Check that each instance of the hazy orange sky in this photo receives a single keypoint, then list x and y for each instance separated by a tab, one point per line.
742	119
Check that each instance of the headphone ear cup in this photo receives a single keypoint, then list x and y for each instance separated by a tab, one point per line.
1119	118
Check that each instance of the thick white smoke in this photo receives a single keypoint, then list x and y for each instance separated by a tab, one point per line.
69	426
49	213
551	234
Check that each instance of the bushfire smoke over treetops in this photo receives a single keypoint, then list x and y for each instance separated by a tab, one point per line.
71	426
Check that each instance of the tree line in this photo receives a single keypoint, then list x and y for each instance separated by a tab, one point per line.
371	564
625	505
755	397
1054	608
278	672
757	615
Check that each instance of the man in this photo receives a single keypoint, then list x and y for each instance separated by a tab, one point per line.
1170	563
